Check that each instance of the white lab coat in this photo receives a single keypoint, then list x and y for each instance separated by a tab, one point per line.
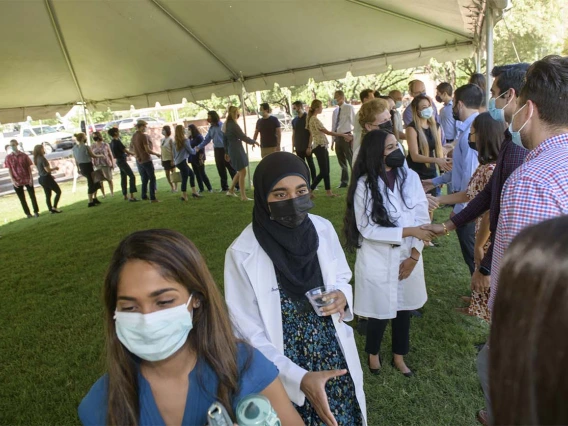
378	292
251	292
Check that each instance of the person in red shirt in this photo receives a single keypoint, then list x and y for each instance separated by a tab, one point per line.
20	168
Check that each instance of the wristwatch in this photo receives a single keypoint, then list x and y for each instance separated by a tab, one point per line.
484	271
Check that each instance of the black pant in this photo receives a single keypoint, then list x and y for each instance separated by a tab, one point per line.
50	185
87	170
20	192
126	173
148	175
400	334
344	153
222	167
323	162
310	160
200	174
185	172
466	237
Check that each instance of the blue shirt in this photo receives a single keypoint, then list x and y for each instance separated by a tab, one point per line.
465	162
202	391
214	134
184	153
448	121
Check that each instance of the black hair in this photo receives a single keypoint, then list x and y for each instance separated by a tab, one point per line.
298	104
445	88
470	95
365	94
167	129
214	117
511	76
370	163
112	132
339	92
193	130
488	136
377	94
97	136
264	106
547	87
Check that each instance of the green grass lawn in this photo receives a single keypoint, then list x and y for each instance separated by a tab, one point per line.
51	325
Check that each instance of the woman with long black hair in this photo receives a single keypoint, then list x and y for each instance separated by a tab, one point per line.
386	206
198	159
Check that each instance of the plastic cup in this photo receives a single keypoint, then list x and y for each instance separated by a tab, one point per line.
316	295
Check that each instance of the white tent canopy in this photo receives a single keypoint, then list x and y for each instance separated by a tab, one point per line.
117	53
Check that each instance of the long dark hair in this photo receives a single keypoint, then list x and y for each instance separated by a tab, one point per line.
214	117
370	164
488	136
193	130
529	330
211	338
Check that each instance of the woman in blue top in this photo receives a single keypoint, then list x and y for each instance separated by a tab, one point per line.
198	160
170	346
181	152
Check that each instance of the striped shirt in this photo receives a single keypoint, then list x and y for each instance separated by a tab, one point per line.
535	192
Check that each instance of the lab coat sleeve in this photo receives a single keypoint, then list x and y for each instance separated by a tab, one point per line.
343	274
245	315
369	229
421	214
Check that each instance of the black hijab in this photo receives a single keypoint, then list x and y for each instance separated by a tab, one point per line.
292	250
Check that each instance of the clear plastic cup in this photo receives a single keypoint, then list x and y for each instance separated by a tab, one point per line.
316	295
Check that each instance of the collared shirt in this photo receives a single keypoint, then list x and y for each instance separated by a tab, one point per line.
215	134
19	165
448	121
137	142
511	156
535	192
465	162
346	119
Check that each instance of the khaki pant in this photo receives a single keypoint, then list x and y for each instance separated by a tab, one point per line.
265	151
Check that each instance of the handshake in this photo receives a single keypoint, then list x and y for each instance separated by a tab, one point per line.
436	229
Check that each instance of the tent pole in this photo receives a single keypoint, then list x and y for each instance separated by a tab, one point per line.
243	108
489	24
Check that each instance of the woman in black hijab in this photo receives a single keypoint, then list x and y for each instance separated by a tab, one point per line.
269	268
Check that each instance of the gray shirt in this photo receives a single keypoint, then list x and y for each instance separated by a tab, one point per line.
41	165
81	153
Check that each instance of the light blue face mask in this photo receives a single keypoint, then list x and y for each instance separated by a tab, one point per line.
155	336
517	135
398	104
427	113
497	114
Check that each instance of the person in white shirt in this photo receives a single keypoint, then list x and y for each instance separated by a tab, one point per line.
396	96
342	122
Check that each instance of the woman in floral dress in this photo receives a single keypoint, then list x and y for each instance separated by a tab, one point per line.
485	137
104	163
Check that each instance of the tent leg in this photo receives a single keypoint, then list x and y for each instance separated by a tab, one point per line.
489	24
243	109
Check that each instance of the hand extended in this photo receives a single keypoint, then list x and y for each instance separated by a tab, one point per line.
445	164
433	202
423	233
313	385
405	269
337	306
436	228
428	185
480	282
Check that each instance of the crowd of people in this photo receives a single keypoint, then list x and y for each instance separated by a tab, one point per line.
173	345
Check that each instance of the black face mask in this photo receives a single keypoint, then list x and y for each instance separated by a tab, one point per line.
472	145
291	213
438	99
395	159
386	126
456	114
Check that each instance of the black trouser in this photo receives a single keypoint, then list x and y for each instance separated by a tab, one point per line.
148	175
344	153
20	192
222	167
400	334
87	170
310	160
323	162
466	237
50	185
126	173
200	174
185	172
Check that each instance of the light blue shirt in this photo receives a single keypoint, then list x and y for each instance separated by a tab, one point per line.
214	134
448	121
465	162
184	153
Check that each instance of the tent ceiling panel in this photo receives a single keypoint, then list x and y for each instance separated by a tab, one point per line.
138	52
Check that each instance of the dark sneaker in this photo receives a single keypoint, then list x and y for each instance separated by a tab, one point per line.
96	201
92	204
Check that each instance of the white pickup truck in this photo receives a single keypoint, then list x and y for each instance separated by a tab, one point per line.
29	137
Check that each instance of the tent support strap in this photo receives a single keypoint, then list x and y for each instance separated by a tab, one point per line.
489	24
243	109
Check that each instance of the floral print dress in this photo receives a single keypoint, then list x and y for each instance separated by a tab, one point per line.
311	343
480	178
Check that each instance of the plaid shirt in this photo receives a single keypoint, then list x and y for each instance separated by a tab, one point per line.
535	192
511	156
20	167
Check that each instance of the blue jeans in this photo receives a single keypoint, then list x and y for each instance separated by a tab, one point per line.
185	172
147	175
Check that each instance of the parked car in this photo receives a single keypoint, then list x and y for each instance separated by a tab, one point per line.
99	127
49	137
129	123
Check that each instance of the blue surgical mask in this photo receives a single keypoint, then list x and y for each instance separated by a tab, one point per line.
334	102
498	114
517	135
427	113
294	113
155	336
398	104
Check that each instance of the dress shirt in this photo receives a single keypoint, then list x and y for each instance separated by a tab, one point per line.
19	165
535	192
346	119
465	162
510	158
214	134
448	121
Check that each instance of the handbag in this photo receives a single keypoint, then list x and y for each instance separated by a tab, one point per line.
98	176
175	177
